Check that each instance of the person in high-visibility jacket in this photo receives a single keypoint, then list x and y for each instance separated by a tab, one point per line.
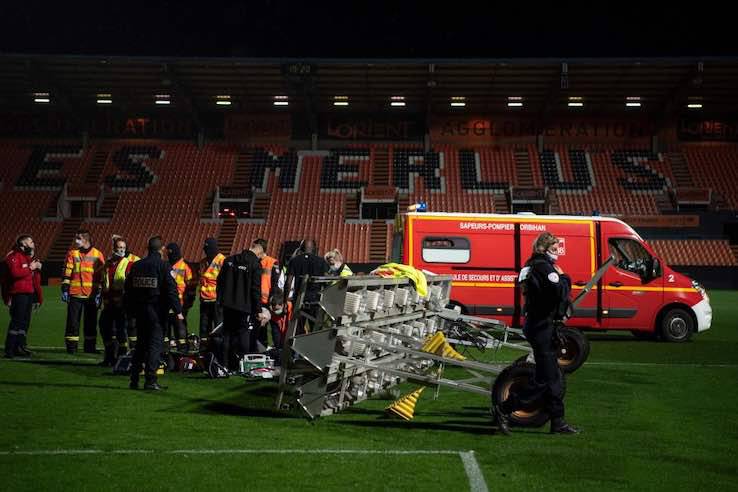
336	265
271	274
211	314
182	274
113	322
81	290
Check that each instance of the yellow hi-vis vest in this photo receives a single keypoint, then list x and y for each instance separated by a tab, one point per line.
119	277
209	277
399	270
82	272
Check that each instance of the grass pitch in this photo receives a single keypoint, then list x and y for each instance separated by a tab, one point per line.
654	416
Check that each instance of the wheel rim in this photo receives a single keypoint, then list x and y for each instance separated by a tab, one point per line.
677	327
527	412
572	352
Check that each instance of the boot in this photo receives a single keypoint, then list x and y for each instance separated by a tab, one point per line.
152	386
90	347
110	350
559	426
23	350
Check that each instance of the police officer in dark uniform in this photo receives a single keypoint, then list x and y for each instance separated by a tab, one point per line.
546	289
150	291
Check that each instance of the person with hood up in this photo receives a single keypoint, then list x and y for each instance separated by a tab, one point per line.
182	274
239	294
210	312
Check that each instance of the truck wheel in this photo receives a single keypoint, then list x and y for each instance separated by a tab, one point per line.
517	376
576	351
677	325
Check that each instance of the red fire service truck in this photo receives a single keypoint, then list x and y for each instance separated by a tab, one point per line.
485	252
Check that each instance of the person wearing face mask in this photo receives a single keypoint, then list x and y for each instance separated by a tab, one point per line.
21	293
280	314
210	312
546	289
82	291
336	266
182	274
113	323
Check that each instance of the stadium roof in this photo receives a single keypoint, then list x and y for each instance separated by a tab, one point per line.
75	83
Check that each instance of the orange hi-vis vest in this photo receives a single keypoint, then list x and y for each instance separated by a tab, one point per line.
83	272
209	277
182	274
267	263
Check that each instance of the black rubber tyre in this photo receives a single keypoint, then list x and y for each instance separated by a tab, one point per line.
676	325
519	374
576	351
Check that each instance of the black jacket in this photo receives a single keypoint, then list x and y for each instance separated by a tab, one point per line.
547	291
239	283
307	264
149	282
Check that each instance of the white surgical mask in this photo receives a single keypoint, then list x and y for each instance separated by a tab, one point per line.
78	243
279	311
551	255
120	252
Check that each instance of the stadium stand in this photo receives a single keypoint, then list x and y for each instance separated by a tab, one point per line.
168	187
595	180
33	173
698	252
714	166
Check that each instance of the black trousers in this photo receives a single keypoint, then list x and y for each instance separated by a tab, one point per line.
211	315
20	320
238	337
75	307
548	382
150	326
114	330
276	334
177	329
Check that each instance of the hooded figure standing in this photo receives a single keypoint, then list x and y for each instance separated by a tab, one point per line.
182	274
210	313
239	294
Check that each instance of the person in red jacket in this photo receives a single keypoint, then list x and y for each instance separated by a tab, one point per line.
22	294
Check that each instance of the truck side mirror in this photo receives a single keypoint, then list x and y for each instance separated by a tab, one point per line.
656	269
650	269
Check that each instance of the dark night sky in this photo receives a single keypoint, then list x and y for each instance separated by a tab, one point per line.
355	29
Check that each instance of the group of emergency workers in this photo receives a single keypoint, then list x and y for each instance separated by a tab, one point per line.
145	303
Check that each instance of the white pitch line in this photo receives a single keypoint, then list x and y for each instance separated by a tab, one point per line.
473	472
471	466
313	451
